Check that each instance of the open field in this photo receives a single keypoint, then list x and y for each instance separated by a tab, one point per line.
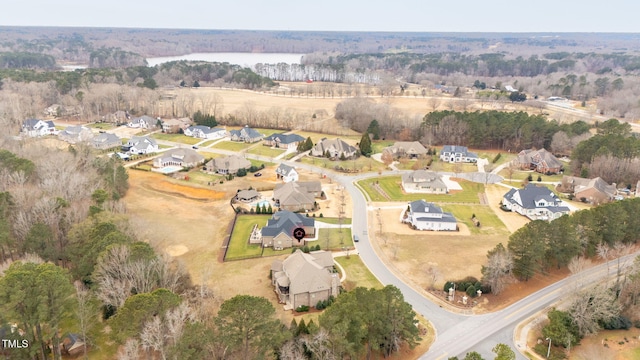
357	273
360	164
266	151
521	175
490	224
392	186
176	138
232	145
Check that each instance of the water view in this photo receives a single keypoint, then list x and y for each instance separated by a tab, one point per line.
242	59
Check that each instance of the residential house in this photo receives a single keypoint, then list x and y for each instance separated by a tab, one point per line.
37	127
305	279
143	122
57	110
297	195
246	134
227	165
284	141
178	157
173	126
457	154
541	161
278	232
286	173
205	132
594	191
424	215
106	141
534	202
406	149
142	145
118	117
423	181
335	148
247	195
75	133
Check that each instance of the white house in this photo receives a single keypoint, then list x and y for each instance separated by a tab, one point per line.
423	181
534	202
205	132
143	122
423	215
37	127
286	173
457	154
142	145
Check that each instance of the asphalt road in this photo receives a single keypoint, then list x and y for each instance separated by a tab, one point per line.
456	334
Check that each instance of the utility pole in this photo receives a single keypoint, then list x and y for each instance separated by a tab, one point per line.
549	349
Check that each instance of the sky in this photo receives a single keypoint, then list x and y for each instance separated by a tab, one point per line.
332	15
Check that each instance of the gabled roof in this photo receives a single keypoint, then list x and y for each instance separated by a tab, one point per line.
423	176
247	194
148	119
142	141
107	138
539	157
284	169
338	145
231	162
246	133
297	192
187	156
458	149
305	273
285	138
425	207
408	147
528	196
285	222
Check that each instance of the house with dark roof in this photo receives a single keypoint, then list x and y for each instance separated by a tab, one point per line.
534	202
178	157
227	165
286	173
304	279
424	215
246	134
284	141
423	181
205	132
540	160
406	149
106	141
335	148
278	232
142	145
457	154
37	127
593	191
297	195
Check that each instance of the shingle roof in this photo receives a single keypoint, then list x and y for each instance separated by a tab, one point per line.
424	177
142	141
285	222
458	149
336	144
187	156
425	207
297	192
530	194
407	147
305	274
284	169
539	157
231	162
285	138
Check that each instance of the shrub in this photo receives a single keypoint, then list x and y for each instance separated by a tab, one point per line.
305	249
529	178
448	285
321	215
471	291
539	178
302	308
241	172
253	169
617	323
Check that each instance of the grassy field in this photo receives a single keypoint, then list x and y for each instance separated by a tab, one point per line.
335	239
521	175
266	151
176	138
101	126
357	273
454	168
202	178
315	137
378	145
361	164
490	224
330	220
232	145
392	185
415	164
239	247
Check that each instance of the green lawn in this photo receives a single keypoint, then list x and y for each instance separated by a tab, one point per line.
521	175
378	145
333	239
176	138
239	247
490	224
207	143
265	151
361	164
101	126
454	168
414	164
232	145
331	220
392	185
357	273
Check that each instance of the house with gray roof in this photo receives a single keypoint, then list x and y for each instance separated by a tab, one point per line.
534	202
246	134
143	122
284	141
297	195
278	232
286	173
178	157
335	148
540	160
457	154
247	195
75	133
227	165
106	141
594	191
37	127
423	181
205	132
424	215
406	149
142	145
304	279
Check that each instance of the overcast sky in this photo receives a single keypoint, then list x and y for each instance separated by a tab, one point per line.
337	15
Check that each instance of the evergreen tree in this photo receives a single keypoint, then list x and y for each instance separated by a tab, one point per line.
374	129
365	145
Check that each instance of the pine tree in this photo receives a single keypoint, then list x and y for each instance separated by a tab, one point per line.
365	144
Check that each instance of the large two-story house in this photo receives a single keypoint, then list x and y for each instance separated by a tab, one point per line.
334	148
406	149
284	141
424	215
540	160
423	181
105	141
297	195
142	145
246	134
594	191
286	173
534	202
205	132
37	127
278	232
227	165
457	154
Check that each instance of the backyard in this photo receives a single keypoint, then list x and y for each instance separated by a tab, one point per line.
239	247
176	138
360	164
237	146
266	151
391	186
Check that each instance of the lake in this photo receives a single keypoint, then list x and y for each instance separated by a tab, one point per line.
242	59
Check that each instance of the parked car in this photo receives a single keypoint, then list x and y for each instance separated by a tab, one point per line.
257	174
194	147
356	238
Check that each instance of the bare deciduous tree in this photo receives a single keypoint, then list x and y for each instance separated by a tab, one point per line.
591	306
498	271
